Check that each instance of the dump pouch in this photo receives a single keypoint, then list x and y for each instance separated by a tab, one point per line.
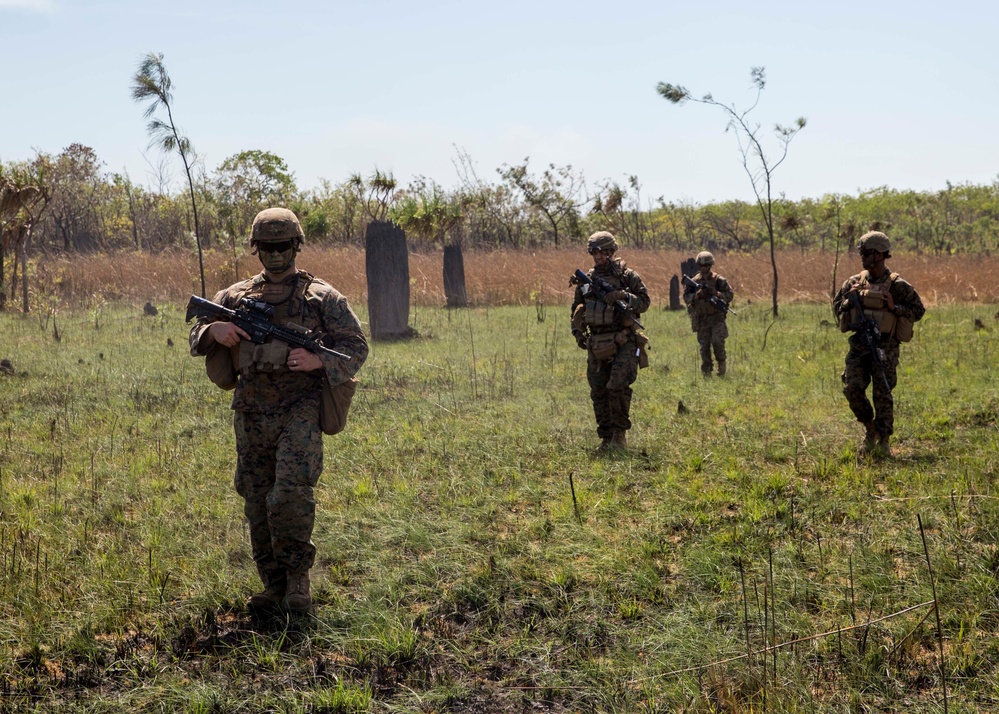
695	319
643	355
335	404
903	329
603	346
220	366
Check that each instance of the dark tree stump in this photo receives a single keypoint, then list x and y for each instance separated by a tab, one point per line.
386	264
454	277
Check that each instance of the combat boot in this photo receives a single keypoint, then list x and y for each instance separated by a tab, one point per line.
871	438
298	596
884	446
721	368
270	599
619	440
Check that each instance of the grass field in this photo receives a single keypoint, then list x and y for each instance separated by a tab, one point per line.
475	555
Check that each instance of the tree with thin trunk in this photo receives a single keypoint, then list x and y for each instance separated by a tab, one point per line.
758	165
23	197
152	84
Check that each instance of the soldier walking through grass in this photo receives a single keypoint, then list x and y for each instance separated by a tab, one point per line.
893	305
706	319
602	325
277	402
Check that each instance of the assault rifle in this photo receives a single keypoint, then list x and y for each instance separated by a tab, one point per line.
719	304
600	287
870	335
254	318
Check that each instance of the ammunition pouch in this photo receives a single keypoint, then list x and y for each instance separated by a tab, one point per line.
598	314
266	357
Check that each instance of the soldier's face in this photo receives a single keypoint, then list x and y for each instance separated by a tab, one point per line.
870	258
276	256
601	258
705	269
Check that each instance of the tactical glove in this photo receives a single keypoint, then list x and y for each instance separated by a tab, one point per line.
615	295
580	340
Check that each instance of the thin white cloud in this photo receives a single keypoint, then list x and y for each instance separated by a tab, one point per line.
31	5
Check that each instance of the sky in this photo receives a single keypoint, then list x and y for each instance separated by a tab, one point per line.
895	94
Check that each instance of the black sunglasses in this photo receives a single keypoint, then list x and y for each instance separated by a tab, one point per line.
278	247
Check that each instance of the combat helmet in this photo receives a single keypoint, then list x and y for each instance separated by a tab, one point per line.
704	258
875	240
276	224
602	241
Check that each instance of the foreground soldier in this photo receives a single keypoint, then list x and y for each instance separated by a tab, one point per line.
277	406
894	305
614	347
706	319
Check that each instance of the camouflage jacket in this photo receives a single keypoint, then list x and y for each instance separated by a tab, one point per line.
307	302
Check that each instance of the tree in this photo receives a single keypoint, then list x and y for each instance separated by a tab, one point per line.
492	213
758	165
79	197
245	184
23	197
622	209
152	83
428	211
376	195
554	195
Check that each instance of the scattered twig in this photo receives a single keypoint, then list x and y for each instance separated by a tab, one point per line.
575	504
936	611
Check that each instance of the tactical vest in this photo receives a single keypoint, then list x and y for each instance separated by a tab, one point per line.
598	316
872	297
704	307
291	309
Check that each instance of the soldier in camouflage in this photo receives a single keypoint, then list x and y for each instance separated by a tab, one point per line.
895	306
615	349
276	406
705	319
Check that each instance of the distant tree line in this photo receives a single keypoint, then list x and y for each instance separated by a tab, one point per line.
87	208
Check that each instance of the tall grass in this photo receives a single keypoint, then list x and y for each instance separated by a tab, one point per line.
457	572
499	277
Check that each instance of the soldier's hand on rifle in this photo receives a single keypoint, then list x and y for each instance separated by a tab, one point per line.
301	360
226	334
615	295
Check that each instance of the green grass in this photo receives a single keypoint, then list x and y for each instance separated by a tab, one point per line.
455	572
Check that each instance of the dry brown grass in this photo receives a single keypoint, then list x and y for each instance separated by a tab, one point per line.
505	277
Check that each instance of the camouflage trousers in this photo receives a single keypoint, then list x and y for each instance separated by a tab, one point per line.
279	459
711	334
610	389
861	371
